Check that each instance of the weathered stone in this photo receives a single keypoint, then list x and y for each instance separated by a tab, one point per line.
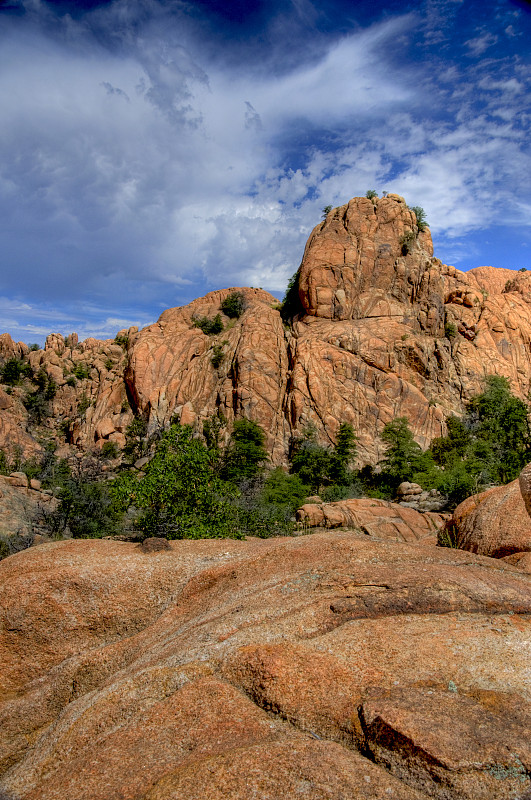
368	346
222	659
448	745
494	523
155	544
377	518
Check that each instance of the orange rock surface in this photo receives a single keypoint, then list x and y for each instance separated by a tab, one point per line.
385	330
496	523
325	666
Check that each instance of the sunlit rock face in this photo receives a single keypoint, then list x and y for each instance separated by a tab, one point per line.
384	330
331	665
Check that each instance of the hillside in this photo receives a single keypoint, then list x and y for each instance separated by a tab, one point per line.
381	329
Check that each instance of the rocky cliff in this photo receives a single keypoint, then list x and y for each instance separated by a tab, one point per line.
384	329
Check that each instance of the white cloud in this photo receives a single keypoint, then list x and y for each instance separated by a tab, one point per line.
479	44
141	162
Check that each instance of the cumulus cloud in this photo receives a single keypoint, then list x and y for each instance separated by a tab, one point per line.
145	162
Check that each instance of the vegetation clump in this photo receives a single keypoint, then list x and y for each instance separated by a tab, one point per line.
291	304
14	370
216	359
37	403
407	242
420	214
210	327
233	305
180	496
450	330
320	467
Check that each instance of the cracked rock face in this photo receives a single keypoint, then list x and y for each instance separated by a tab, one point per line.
385	330
324	666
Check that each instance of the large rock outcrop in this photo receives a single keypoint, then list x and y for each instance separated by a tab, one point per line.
384	330
324	666
496	522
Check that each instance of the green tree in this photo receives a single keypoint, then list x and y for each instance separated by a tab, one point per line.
326	211
13	370
245	455
446	450
420	214
210	327
135	440
403	457
37	403
291	304
180	496
500	428
343	453
371	194
311	461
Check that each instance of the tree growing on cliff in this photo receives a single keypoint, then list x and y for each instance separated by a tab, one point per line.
422	222
291	304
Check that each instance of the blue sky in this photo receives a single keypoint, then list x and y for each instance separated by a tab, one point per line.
154	150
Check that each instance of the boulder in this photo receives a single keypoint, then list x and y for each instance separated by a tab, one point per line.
494	523
376	518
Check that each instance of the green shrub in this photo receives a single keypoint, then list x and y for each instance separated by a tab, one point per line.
404	457
135	440
310	460
33	347
407	242
110	450
326	211
217	356
180	497
450	330
14	370
284	490
71	380
37	403
233	305
291	304
80	371
122	340
371	194
210	327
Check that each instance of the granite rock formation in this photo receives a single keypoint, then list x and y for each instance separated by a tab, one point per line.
384	330
323	666
376	518
496	522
